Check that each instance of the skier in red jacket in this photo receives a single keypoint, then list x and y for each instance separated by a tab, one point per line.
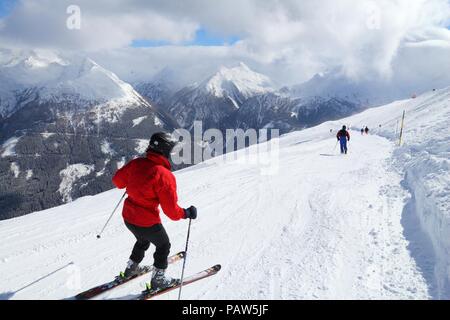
150	183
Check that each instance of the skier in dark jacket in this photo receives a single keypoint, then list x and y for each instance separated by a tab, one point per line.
150	183
343	136
366	130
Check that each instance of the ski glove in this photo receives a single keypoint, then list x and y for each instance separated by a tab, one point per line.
190	213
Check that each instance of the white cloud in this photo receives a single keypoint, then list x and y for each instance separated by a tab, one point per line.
289	40
104	25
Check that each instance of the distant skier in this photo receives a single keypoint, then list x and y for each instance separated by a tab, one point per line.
366	130
362	131
343	136
149	183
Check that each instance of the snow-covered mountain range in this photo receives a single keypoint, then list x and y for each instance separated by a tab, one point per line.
216	100
334	84
238	97
51	78
66	124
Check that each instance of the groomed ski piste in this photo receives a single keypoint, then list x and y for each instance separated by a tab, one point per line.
372	224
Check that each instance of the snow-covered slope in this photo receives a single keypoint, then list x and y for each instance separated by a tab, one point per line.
424	158
316	225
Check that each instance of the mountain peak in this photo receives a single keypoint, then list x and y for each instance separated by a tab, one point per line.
58	78
241	66
240	77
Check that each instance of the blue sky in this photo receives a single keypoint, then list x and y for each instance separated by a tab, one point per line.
202	38
6	6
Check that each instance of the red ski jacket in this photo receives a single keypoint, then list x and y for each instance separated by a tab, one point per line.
341	133
149	183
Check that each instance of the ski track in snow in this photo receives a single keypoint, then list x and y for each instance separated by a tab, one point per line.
325	226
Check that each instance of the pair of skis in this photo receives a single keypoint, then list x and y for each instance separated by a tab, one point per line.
148	294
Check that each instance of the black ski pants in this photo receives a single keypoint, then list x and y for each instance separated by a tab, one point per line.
156	235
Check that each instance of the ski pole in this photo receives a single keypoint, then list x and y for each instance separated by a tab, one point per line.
401	129
184	260
335	145
123	196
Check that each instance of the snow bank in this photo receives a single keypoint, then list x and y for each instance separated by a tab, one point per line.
424	161
428	179
425	156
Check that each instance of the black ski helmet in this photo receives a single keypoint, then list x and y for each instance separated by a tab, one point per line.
162	143
344	128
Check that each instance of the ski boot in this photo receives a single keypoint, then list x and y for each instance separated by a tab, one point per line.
160	281
132	269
